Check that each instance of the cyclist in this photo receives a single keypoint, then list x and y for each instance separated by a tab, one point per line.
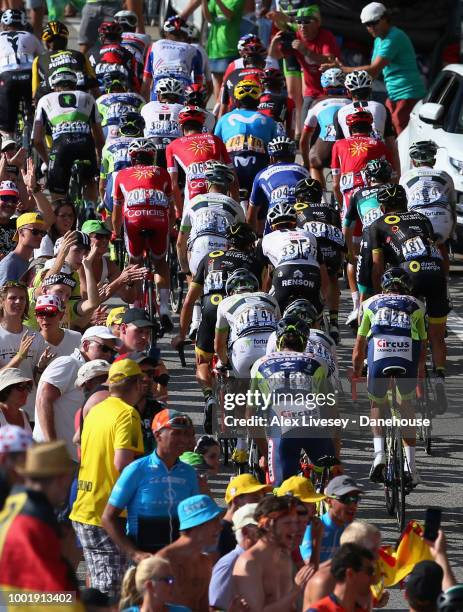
206	218
289	371
246	133
55	35
323	221
275	183
18	48
431	192
406	238
115	102
196	94
275	103
190	152
393	327
115	154
142	196
298	264
173	57
73	119
317	154
134	41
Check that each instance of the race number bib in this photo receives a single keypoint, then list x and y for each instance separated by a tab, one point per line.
254	318
347	181
297	249
324	230
414	247
370	216
330	134
390	317
213	282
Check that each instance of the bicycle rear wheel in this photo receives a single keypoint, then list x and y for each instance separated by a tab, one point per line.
176	280
399	479
389	473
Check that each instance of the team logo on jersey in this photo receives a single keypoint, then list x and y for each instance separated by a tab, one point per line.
199	147
358	148
391	219
216	253
142	172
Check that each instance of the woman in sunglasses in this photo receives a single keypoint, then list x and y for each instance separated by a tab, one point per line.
49	312
14	391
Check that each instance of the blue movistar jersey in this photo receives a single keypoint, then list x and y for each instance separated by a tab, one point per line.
323	113
148	488
330	539
246	130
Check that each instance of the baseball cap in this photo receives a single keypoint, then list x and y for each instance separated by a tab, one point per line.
242	484
8	188
91	369
65	269
341	485
99	331
193	459
308	12
120	370
197	510
170	419
138	357
244	516
372	12
115	315
83	242
8	143
14	439
95	226
27	219
299	487
59	279
12	376
424	584
49	303
138	317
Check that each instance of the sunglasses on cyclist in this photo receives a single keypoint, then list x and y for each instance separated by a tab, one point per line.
106	348
25	386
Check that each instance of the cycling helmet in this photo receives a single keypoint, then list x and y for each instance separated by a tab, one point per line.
240	234
303	309
333	77
218	173
392	194
54	29
196	95
282	212
292	325
169	87
273	77
308	190
141	145
451	600
396	277
131	123
114	79
246	39
254	48
247	89
359	79
281	146
360	116
14	17
191	113
241	280
175	24
110	29
126	18
378	169
423	150
61	76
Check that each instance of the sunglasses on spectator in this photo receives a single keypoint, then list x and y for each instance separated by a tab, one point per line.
35	232
25	386
9	200
167	579
372	24
47	314
348	499
302	512
305	20
100	236
106	348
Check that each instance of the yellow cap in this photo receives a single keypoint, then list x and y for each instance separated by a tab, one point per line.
120	370
27	219
115	315
299	487
242	484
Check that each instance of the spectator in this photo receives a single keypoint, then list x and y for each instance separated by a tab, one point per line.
353	570
14	442
31	557
191	568
114	319
65	221
221	585
343	496
111	439
94	13
57	397
14	391
151	488
269	562
9	198
209	448
49	312
30	229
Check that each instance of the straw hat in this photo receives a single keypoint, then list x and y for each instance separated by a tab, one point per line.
47	459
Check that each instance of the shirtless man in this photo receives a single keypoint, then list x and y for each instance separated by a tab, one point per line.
263	575
199	519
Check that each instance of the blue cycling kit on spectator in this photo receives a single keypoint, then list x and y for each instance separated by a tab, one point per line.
245	130
330	539
148	488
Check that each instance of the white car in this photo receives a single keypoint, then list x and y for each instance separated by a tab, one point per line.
439	117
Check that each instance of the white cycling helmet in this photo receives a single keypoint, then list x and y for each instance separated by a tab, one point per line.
14	17
62	76
169	86
359	79
333	77
128	18
141	145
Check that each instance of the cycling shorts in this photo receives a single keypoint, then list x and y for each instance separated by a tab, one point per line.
358	228
364	268
206	330
430	284
332	255
16	85
320	153
201	247
377	382
442	221
292	281
246	351
108	196
247	165
66	150
158	226
291	66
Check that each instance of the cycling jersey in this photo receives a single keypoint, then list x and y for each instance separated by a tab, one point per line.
249	73
287	246
112	57
137	45
281	109
363	206
113	105
18	50
382	121
114	157
171	58
46	63
245	314
161	120
246	131
67	113
322	113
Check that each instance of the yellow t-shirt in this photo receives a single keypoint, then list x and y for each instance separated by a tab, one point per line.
112	424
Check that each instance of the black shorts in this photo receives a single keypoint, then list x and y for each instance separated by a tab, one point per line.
292	281
15	85
332	255
364	268
247	165
206	330
430	284
64	152
320	153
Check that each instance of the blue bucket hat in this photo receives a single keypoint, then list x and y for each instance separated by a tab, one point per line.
196	510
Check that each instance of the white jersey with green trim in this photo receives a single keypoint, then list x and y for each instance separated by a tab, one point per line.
245	314
67	113
210	214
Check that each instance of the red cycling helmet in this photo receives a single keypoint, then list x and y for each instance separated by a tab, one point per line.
359	117
110	29
191	113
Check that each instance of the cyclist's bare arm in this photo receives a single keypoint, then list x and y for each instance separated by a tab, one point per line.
251	216
145	87
177	194
358	355
235	188
306	137
98	137
336	188
194	292
182	252
220	344
39	143
116	217
378	269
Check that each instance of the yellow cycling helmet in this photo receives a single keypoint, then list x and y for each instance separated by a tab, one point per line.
247	89
54	29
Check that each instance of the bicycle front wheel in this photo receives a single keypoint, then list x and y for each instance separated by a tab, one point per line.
399	480
389	474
